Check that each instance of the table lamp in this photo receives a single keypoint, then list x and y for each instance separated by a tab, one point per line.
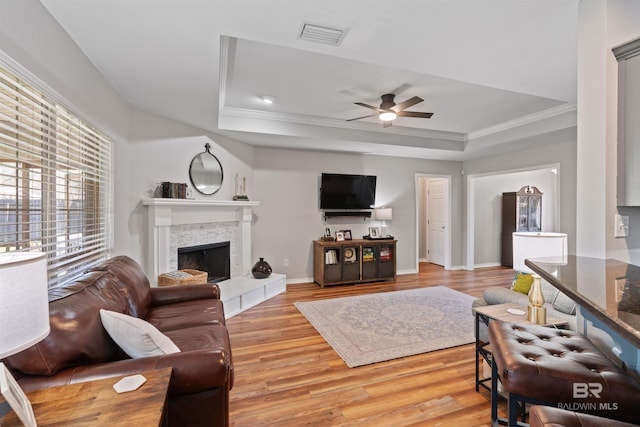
384	215
24	316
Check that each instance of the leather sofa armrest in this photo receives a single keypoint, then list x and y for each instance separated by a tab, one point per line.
193	371
175	294
198	370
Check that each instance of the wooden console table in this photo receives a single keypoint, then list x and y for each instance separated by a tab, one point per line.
96	403
353	261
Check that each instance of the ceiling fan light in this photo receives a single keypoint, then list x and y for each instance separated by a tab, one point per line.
387	116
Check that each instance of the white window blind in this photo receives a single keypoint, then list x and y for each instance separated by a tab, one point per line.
55	176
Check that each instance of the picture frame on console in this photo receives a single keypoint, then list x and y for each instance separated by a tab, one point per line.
15	398
339	236
347	234
374	232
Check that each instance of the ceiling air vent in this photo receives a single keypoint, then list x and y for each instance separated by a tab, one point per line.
321	34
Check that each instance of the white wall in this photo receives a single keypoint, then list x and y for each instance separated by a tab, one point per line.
289	219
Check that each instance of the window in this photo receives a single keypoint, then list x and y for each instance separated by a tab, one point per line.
55	181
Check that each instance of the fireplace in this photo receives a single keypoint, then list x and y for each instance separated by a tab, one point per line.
176	223
213	258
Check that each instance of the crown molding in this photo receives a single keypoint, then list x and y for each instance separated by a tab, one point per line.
524	120
227	49
627	50
335	123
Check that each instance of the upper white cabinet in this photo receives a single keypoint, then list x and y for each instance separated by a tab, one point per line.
628	180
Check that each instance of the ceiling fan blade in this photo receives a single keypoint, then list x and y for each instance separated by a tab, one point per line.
415	114
363	117
403	87
386	124
362	104
406	104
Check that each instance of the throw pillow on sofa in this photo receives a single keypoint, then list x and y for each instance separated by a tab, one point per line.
136	337
522	283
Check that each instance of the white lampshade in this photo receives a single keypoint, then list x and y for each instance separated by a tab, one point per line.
24	301
383	214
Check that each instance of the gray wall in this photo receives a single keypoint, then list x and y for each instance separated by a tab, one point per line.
289	219
622	26
562	152
488	209
161	150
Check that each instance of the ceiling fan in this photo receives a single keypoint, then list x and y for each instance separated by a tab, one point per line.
389	110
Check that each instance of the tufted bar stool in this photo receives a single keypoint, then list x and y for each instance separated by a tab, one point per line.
545	416
560	368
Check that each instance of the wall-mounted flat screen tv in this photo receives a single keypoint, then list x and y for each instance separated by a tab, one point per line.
341	191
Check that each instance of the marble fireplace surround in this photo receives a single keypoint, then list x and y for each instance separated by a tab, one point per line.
173	223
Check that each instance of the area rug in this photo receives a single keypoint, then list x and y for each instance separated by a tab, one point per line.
376	327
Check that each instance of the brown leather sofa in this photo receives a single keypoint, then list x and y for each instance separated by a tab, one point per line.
79	349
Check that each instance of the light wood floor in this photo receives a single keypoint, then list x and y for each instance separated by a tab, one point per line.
287	375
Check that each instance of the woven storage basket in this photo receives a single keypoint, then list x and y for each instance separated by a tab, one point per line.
182	277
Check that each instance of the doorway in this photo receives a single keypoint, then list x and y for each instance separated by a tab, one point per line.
433	219
484	208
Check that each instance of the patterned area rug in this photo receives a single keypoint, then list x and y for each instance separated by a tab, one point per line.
383	326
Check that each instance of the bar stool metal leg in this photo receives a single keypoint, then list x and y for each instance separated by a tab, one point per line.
514	409
494	395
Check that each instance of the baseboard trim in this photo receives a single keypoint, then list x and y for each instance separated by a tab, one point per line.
486	265
299	280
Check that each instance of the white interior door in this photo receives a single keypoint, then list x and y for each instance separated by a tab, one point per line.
437	219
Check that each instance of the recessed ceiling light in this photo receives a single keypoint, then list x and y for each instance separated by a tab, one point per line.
268	99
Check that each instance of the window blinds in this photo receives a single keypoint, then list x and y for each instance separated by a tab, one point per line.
55	176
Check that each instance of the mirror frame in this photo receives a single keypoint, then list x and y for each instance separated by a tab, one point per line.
193	181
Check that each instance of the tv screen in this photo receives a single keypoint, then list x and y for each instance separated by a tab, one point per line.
340	191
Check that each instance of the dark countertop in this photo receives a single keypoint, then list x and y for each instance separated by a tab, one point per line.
607	288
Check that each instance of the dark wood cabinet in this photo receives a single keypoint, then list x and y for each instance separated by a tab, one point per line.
521	211
353	261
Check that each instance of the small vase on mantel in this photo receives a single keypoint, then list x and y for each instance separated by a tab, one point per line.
261	270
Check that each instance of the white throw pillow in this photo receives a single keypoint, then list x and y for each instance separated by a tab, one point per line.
137	337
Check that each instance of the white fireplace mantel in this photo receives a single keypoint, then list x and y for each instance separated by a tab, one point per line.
162	214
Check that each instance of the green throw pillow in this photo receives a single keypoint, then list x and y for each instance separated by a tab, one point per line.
522	283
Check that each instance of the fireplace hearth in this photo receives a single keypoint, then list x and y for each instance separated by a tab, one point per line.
214	258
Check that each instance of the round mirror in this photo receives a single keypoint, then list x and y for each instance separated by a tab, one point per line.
205	172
